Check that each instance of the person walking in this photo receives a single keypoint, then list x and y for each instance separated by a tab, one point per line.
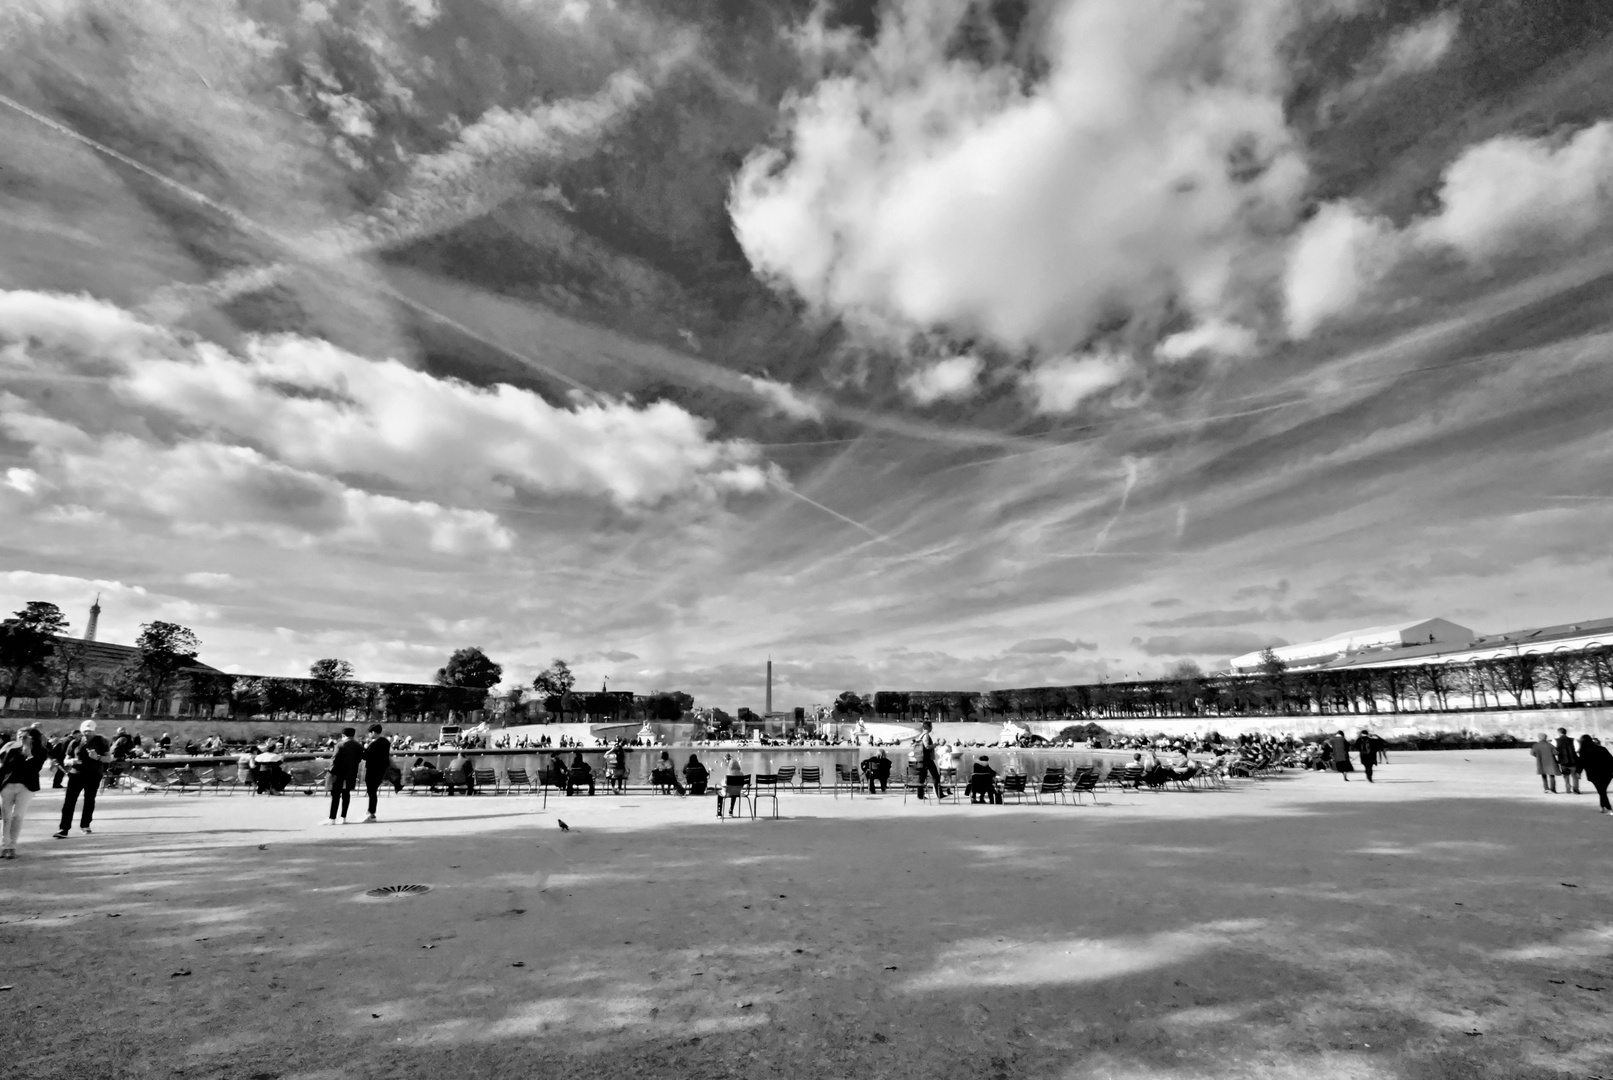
1567	762
377	765
1340	748
20	761
923	755
1597	762
344	774
84	758
1366	748
1545	755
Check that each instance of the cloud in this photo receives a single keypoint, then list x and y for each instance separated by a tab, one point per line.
1515	194
619	656
1047	646
1222	617
204	579
279	432
1217	643
1058	386
1337	257
1342	600
1216	337
1507	196
1411	50
955	378
920	188
784	399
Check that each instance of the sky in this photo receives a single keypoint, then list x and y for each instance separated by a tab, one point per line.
913	345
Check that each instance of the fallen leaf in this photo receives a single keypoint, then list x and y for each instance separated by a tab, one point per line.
375	1016
428	946
1557	982
6	987
1593	989
114	914
181	971
1567	885
745	1004
891	968
519	963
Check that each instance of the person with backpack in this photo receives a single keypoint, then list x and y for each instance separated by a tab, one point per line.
1366	748
377	765
20	761
344	774
84	758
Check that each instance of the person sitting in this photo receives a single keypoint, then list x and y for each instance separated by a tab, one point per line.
424	772
665	775
983	783
581	774
461	774
695	774
877	769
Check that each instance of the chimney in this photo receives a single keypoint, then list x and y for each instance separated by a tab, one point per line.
95	618
769	709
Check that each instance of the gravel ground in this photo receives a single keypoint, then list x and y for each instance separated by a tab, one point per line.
1448	921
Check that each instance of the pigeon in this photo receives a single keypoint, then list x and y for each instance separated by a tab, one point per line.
563	826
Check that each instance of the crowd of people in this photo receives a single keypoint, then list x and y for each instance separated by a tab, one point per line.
1570	760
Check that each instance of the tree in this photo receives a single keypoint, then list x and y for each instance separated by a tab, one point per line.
1273	672
206	689
849	703
64	671
555	685
166	649
471	669
332	689
27	640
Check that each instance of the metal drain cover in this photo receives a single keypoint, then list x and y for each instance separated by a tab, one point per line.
399	890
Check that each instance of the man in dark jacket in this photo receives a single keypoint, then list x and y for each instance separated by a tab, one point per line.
1567	761
877	769
1366	748
1339	747
377	763
983	783
1598	765
344	774
84	757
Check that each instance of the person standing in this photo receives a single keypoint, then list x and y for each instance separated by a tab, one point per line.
1366	748
344	774
733	784
84	757
377	764
1340	748
924	753
1594	758
616	767
1567	762
1545	756
20	761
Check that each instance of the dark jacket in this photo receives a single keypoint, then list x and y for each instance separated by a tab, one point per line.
19	766
1367	748
877	767
1339	747
345	764
79	754
377	758
1566	758
1597	762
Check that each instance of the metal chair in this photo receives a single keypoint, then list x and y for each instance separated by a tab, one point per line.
811	774
765	786
850	777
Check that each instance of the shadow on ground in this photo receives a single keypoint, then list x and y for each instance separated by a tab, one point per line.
1439	939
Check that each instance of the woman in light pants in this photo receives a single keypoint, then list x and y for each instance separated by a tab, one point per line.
20	760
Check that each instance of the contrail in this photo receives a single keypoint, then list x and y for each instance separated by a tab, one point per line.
835	514
248	224
1125	494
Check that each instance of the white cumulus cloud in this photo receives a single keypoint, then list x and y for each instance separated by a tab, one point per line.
317	441
784	399
919	189
1058	386
954	378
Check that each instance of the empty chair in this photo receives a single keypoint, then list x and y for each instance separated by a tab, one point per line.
516	778
848	776
764	786
182	781
786	775
1052	785
1014	784
813	775
487	778
1085	781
